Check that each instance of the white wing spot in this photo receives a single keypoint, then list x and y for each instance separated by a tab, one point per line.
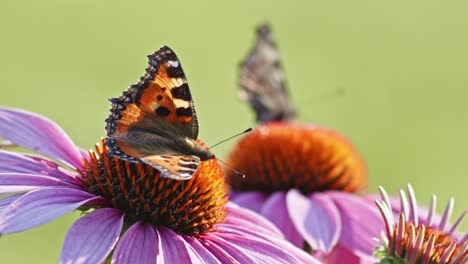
174	64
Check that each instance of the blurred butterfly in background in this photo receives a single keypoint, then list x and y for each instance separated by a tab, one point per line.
154	120
262	80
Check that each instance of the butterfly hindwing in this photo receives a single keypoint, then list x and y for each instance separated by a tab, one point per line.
172	166
262	80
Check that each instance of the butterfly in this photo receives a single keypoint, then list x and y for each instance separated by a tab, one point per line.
262	80
154	121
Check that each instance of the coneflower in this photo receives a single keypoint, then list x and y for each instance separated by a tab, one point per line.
131	214
412	238
303	178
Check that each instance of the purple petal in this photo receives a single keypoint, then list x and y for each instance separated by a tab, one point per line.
246	231
276	211
37	133
20	182
25	163
173	247
6	201
41	206
245	218
227	252
361	222
316	219
139	244
258	250
251	200
203	253
220	254
92	237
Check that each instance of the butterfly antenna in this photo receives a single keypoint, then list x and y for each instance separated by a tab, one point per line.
222	141
227	166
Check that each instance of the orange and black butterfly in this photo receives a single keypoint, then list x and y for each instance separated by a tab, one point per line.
262	80
154	120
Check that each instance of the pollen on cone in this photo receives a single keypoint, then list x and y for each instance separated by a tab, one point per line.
282	156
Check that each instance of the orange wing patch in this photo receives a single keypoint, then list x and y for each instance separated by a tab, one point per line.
129	116
167	97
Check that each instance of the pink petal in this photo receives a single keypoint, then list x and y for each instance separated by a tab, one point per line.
251	200
361	222
11	162
38	133
260	250
203	253
340	253
173	247
276	211
139	244
221	255
41	206
92	237
296	252
20	182
227	252
316	219
245	218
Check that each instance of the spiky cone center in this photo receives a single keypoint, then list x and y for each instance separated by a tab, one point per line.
421	244
189	207
281	156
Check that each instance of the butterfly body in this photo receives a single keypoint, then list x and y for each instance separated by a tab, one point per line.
154	121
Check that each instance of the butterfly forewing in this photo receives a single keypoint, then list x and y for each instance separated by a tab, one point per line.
164	92
262	80
159	105
174	167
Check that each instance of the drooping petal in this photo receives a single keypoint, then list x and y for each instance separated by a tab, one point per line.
92	237
202	252
296	252
245	218
41	206
139	244
262	251
276	211
6	201
37	133
361	222
173	247
316	219
233	253
251	200
11	162
222	255
21	182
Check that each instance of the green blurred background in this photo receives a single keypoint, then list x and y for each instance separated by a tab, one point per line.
403	65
